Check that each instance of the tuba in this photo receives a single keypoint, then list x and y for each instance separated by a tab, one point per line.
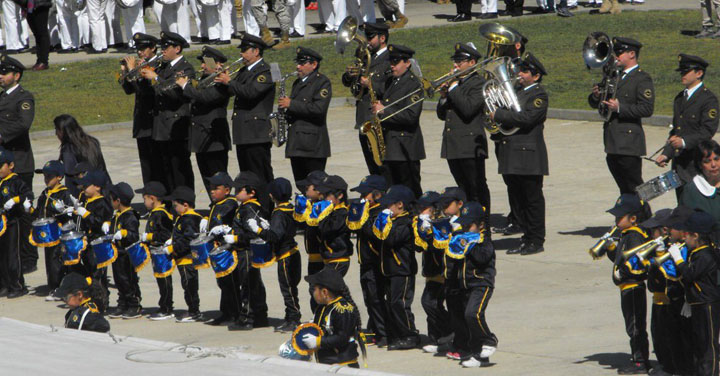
598	53
598	250
278	122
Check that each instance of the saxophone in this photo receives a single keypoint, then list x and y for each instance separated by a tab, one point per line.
278	122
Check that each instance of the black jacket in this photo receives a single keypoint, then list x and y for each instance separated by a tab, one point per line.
12	187
281	234
93	321
624	134
45	207
144	106
700	275
463	111
334	235
241	230
368	245
17	111
403	136
629	239
128	222
339	324
524	153
185	230
159	226
254	94
98	212
397	251
379	73
209	129
313	243
307	115
222	212
172	111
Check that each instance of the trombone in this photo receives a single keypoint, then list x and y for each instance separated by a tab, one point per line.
598	250
643	250
233	69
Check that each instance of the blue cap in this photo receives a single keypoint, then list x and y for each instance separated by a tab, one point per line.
398	193
123	191
221	178
371	183
93	177
627	203
6	156
428	199
472	212
52	168
700	222
280	189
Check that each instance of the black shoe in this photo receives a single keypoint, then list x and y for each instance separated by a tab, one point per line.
382	342
117	312
295	34
4	292
405	344
195	39
460	18
68	51
160	316
564	12
240	326
532	249
260	322
222	319
132	313
93	51
189	317
510	229
661	372
488	16
516	251
222	42
287	326
633	369
18	293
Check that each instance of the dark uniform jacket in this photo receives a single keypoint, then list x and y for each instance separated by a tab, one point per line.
94	320
222	212
98	212
307	115
433	264
624	134
128	222
209	129
700	276
629	275
524	153
254	94
159	226
379	72
12	187
172	111
17	111
368	245
475	269
694	120
403	137
185	230
334	235
241	230
339	324
313	243
45	207
281	234
464	113
144	105
397	251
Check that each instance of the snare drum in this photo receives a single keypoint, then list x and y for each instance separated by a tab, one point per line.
659	185
223	260
45	233
139	255
105	251
299	332
163	264
200	248
73	244
262	254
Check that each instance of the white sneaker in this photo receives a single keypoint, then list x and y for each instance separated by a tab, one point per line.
471	363
51	297
487	352
431	349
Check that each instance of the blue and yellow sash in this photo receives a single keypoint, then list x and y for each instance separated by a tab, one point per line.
382	225
668	267
421	237
358	214
461	243
302	208
320	210
442	232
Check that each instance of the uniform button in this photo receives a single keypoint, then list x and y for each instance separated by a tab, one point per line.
680	116
504	142
402	133
234	113
255	117
693	116
175	115
193	123
630	131
448	131
678	128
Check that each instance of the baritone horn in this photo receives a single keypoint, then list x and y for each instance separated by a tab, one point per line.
598	250
643	250
598	53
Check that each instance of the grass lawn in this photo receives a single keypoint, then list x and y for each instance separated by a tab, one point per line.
89	91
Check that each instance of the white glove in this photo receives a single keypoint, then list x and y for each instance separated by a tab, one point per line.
9	204
69	211
424	217
74	200
168	242
59	206
362	200
686	311
166	250
117	236
387	211
229	238
660	242
105	227
27	204
264	224
616	273
675	252
220	229
203	225
81	211
310	341
143	237
425	224
252	223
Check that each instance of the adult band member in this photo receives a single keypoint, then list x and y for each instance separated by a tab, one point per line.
463	139
695	118
378	72
209	130
522	157
146	46
403	137
254	94
308	144
172	112
634	99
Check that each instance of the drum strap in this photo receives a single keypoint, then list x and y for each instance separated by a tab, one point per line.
82	319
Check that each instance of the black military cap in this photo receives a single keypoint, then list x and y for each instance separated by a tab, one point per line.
81	168
472	212
658	219
465	51
6	156
428	199
306	54
71	283
372	29
451	194
182	193
247	179
93	177
627	203
327	277
700	222
152	188
9	64
280	189
371	183
313	178
143	40
398	51
52	168
221	178
690	62
168	38
123	191
530	61
622	44
332	183
398	193
249	40
212	53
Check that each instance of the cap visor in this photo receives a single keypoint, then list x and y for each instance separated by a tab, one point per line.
618	211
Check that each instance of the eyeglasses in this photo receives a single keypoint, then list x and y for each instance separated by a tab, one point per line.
245	48
303	62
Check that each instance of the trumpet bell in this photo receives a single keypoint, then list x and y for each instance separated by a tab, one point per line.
597	49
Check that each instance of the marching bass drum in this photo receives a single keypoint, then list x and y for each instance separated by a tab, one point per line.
126	4
209	3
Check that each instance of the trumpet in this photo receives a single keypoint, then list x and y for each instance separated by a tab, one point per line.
599	249
644	249
170	84
233	69
661	259
134	74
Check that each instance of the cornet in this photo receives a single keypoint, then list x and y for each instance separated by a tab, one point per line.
134	74
598	250
643	250
661	259
233	69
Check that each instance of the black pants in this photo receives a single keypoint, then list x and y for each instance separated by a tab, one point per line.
28	252
406	173
660	326
312	268
190	284
258	296
469	174
209	163
289	271
372	282
373	169
38	22
626	170
399	292
343	267
480	335
677	328
10	262
514	7
54	268
528	206
301	166
256	158
176	164
243	274
149	166
230	298
705	323
126	281
633	302
455	298
433	302
464	6
165	287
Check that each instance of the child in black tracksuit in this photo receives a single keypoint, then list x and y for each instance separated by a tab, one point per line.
185	229
15	200
333	232
125	229
280	233
361	216
158	230
83	299
393	227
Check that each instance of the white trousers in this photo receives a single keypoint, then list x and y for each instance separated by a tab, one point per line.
174	18
97	20
487	6
226	9
331	12
209	20
251	25
297	14
113	27
195	10
68	27
134	22
16	37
